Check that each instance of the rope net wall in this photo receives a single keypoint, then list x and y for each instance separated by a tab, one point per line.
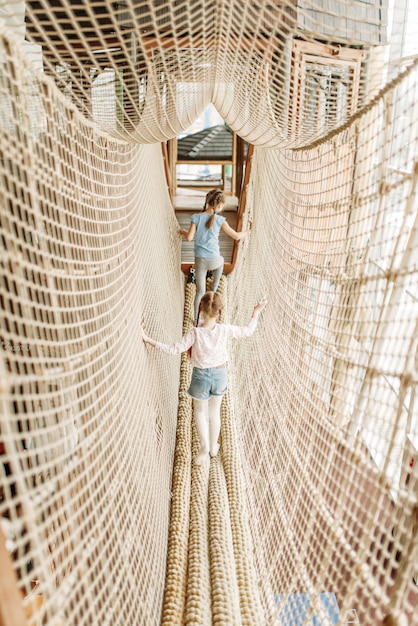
309	515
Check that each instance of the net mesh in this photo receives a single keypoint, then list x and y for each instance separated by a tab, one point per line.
310	513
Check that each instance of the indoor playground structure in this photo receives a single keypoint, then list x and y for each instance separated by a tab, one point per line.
308	516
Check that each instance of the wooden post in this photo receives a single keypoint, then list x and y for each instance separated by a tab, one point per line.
239	166
242	202
234	163
172	164
167	169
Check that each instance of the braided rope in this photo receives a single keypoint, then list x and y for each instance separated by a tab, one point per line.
210	570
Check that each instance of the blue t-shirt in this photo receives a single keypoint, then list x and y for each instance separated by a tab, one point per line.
206	243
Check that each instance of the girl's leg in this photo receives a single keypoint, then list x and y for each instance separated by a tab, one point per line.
214	423
202	429
200	269
216	277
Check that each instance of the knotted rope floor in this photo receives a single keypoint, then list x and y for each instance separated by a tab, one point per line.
211	578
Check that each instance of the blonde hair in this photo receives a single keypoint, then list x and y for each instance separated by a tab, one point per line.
211	304
216	197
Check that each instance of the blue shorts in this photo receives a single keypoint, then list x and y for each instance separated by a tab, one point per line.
211	381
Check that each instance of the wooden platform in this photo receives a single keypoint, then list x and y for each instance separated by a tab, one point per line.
193	200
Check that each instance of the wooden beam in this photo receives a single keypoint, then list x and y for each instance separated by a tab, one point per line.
112	44
243	199
185	268
234	163
189	44
172	162
167	169
239	165
205	162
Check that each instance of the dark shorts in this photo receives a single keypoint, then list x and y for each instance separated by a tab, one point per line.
211	381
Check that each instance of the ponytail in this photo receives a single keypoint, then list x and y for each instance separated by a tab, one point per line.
210	221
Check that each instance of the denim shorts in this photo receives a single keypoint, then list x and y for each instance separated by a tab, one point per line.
211	381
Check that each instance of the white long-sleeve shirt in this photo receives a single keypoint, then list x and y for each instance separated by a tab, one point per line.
209	346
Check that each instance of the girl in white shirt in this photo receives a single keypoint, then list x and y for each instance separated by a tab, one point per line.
209	356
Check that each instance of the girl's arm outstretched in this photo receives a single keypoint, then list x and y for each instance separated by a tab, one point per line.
171	348
188	234
259	307
239	332
148	340
233	233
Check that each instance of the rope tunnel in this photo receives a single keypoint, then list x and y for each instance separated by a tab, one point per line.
309	513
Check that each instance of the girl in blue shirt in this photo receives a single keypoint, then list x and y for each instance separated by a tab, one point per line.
205	228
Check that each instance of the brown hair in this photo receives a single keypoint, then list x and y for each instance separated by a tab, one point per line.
208	199
211	304
216	198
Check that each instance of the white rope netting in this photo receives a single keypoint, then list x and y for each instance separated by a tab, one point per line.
310	513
